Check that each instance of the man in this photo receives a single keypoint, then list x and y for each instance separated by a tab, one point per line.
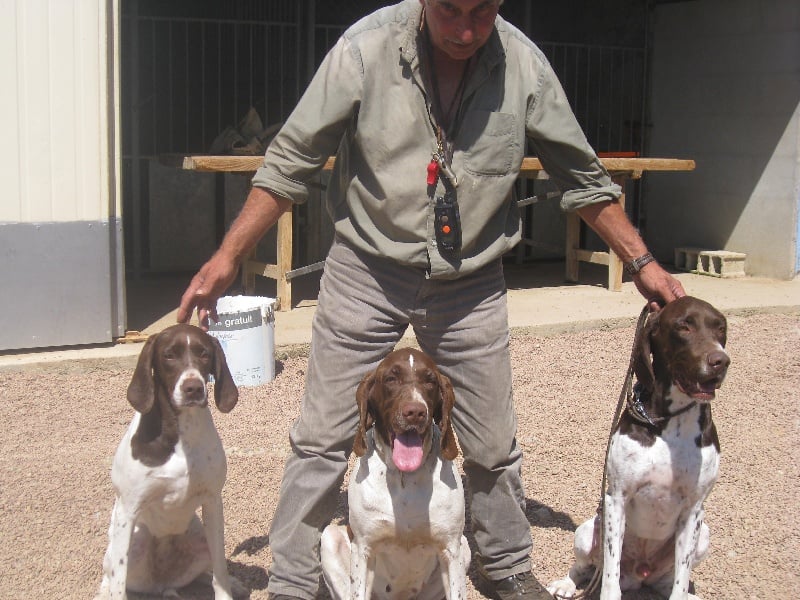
426	105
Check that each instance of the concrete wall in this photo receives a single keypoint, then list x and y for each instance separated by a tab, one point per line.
60	228
725	92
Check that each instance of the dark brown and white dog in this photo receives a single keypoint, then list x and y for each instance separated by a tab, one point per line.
405	537
170	462
663	461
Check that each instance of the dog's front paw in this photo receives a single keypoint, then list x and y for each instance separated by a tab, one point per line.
562	588
237	590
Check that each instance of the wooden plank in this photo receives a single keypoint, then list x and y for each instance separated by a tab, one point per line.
615	262
228	164
284	260
592	256
233	164
530	164
573	243
648	164
262	269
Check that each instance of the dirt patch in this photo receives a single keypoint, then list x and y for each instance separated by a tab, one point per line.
61	425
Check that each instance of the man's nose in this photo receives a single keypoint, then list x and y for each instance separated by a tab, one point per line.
464	30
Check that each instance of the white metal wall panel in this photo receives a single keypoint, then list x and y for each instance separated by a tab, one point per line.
53	111
60	224
10	195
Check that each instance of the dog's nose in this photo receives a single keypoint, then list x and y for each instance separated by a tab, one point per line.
414	413
718	361
193	388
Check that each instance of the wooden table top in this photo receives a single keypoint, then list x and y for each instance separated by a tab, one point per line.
530	165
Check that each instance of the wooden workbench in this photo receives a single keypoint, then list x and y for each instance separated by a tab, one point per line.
621	170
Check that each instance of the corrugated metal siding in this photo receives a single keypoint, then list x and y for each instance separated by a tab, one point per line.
60	231
54	158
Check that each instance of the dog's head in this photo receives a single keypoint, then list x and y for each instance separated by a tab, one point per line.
177	362
402	398
683	345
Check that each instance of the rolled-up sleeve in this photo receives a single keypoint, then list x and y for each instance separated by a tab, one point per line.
560	144
315	127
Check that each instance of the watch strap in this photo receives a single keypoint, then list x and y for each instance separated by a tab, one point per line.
636	264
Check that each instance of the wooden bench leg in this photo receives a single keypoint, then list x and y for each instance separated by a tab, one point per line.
284	261
574	253
573	243
614	262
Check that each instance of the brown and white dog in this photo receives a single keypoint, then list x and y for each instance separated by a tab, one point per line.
663	461
405	537
170	462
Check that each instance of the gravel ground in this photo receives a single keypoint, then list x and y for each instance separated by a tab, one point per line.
61	423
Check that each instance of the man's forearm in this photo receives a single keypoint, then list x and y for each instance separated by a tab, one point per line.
260	212
609	221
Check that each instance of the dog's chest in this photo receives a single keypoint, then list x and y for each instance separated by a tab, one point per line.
411	509
167	496
662	480
401	572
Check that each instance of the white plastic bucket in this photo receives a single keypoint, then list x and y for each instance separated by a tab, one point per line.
246	331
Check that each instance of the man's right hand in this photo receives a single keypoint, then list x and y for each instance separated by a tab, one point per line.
206	287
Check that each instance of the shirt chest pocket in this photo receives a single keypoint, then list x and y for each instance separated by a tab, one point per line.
492	144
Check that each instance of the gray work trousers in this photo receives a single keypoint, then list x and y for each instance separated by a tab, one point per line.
365	306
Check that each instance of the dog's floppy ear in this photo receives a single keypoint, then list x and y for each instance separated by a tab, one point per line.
448	398
226	394
642	358
141	389
364	417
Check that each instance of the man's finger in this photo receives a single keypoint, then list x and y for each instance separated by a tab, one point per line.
202	316
188	303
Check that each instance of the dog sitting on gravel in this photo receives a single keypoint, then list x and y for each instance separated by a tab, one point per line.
663	461
406	500
170	462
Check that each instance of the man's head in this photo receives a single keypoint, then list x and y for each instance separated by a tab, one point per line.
460	27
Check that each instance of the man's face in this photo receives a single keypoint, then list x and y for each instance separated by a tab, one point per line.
460	27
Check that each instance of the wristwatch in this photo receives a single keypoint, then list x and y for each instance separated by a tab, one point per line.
636	264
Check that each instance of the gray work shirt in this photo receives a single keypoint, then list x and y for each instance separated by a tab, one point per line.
368	106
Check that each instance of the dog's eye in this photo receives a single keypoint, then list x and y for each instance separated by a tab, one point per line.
429	380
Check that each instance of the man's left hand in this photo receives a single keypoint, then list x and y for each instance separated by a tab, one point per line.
657	286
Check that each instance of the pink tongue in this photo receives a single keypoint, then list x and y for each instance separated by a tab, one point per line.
407	451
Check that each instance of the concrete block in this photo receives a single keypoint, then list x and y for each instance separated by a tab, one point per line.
716	263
